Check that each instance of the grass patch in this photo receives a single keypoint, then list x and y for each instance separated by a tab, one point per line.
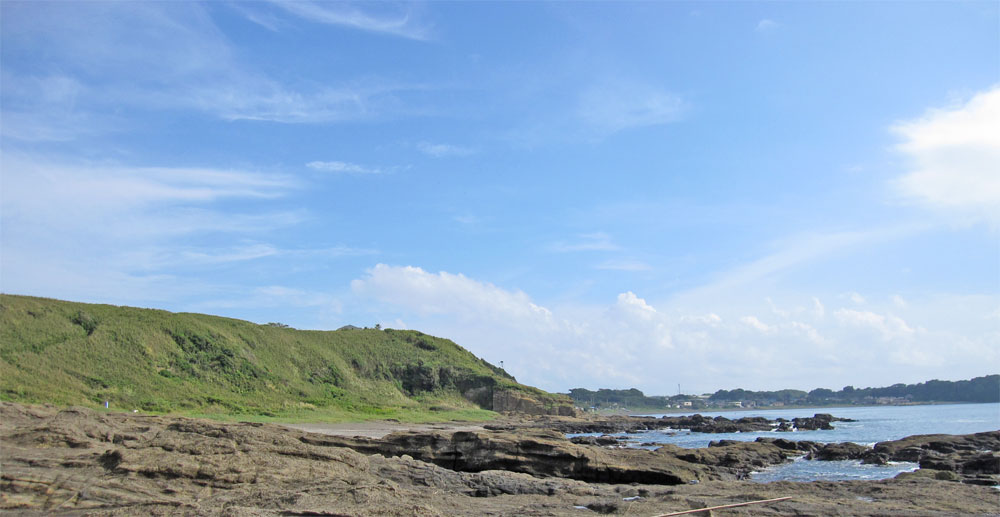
68	353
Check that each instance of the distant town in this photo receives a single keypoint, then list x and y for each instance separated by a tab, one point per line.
980	389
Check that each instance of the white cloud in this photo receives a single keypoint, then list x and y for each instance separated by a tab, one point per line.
598	241
624	265
446	293
632	304
83	228
888	326
753	322
818	309
617	106
154	56
444	150
653	346
898	301
343	167
793	252
347	15
954	157
766	25
774	308
711	319
856	298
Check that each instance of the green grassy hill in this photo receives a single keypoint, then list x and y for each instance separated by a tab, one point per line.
67	353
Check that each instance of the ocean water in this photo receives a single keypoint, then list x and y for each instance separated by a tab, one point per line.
873	424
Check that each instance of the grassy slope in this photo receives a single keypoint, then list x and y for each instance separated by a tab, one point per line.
73	353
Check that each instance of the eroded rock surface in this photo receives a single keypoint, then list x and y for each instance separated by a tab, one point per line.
696	423
78	461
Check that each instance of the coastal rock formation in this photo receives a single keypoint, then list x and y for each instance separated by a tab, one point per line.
696	423
819	421
535	452
78	461
839	451
974	458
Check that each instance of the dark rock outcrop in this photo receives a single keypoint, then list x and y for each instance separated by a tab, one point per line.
538	452
839	452
974	458
696	423
547	453
605	440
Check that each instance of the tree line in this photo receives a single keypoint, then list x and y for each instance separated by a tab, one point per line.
979	389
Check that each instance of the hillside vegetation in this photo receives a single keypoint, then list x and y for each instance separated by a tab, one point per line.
70	353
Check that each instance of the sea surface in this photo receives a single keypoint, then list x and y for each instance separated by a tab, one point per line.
873	424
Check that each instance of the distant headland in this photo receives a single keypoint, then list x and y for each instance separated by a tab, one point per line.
977	390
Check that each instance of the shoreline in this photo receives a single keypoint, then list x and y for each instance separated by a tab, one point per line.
680	412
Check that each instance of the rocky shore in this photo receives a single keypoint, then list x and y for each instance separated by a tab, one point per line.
78	461
695	423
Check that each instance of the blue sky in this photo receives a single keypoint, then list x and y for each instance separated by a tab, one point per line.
717	195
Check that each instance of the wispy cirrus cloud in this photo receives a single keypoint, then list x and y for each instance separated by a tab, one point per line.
71	223
444	150
597	241
610	107
115	57
400	22
339	167
624	265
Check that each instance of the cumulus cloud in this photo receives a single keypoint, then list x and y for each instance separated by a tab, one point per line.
953	155
447	293
631	341
634	305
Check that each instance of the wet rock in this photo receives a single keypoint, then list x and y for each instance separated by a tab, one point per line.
839	452
603	440
804	446
973	457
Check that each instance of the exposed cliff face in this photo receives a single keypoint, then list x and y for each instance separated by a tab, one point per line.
509	401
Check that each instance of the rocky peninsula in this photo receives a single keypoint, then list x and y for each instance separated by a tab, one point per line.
79	461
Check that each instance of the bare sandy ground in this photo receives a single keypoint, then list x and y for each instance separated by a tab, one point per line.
378	429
